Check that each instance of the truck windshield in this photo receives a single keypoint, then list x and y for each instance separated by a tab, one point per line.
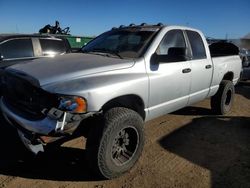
122	43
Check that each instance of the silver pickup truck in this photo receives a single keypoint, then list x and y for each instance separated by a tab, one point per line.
123	78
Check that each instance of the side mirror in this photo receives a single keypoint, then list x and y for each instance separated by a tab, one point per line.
174	55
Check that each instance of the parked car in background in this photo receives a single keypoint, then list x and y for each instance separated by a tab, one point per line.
16	48
19	48
245	57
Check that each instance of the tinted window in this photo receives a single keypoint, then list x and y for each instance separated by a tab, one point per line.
17	48
52	47
197	45
119	41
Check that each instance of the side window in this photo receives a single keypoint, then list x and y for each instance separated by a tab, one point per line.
172	39
52	47
17	48
197	45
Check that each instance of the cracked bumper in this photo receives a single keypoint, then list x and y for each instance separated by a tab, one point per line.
46	126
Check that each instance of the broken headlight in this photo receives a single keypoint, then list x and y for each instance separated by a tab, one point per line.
73	104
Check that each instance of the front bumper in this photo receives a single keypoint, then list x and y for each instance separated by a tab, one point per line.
36	133
55	123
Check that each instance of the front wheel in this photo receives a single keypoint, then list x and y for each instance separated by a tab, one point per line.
115	148
222	101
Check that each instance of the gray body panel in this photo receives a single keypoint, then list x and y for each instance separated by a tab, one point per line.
70	66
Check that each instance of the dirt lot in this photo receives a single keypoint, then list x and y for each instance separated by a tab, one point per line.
188	148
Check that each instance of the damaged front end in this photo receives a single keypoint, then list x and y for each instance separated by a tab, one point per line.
40	117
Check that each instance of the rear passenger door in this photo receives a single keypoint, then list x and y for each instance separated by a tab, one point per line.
52	46
201	67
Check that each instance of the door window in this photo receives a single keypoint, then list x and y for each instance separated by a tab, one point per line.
197	45
17	48
173	39
51	47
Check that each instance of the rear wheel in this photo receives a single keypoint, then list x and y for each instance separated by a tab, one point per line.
115	148
222	101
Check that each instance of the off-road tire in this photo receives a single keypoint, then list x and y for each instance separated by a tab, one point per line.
222	101
117	123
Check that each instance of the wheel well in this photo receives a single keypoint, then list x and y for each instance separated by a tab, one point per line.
228	76
133	102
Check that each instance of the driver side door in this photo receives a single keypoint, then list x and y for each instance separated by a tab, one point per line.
169	81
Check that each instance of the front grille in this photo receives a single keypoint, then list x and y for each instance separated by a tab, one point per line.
25	98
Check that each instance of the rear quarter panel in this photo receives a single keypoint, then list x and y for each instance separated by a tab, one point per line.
223	65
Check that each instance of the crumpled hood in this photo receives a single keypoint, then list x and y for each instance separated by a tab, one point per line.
69	66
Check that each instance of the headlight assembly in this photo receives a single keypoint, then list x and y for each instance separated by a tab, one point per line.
73	104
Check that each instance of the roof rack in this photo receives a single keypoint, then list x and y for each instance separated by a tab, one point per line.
143	24
159	24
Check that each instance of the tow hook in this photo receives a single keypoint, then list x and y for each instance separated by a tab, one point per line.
60	124
67	122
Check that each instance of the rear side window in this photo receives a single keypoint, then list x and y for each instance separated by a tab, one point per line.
17	48
197	45
52	47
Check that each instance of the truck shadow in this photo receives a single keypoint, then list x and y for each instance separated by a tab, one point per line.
219	144
57	163
243	89
194	110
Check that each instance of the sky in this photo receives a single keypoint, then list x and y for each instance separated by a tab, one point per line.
217	19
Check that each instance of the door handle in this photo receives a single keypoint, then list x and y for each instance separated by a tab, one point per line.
208	66
186	70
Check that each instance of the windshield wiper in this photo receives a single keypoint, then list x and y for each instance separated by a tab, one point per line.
115	53
104	50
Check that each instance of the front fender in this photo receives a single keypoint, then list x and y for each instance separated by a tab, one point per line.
100	88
